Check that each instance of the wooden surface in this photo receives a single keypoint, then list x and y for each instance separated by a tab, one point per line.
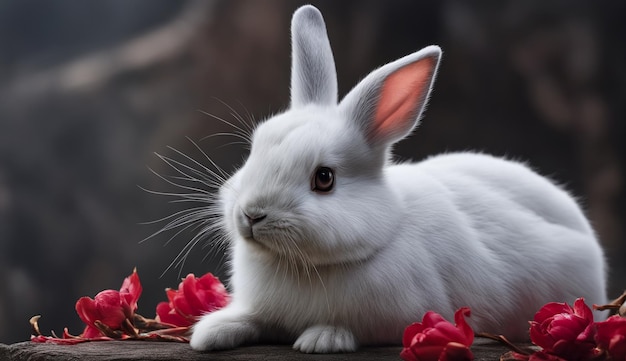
142	350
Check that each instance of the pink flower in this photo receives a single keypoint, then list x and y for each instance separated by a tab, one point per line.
437	339
110	307
194	297
611	337
564	331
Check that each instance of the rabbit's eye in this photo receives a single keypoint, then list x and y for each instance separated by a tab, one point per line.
323	180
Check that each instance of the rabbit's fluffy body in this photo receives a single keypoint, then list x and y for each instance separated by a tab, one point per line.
357	264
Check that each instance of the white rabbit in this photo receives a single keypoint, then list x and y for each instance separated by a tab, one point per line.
333	246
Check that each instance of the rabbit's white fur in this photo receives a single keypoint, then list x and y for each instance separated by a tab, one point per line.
355	266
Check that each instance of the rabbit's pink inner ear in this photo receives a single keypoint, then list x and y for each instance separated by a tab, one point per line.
401	98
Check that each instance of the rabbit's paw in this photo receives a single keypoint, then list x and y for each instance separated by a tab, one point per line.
325	339
214	332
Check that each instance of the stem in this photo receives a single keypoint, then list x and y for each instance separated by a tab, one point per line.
176	331
149	324
616	303
129	328
606	307
613	305
504	341
108	331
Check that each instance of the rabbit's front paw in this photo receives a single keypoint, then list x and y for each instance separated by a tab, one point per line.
220	332
325	339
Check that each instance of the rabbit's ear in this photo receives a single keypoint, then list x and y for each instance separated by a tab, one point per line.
313	76
388	103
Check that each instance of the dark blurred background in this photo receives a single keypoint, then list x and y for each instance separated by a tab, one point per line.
89	90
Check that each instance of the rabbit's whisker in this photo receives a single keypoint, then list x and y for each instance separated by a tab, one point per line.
248	125
244	132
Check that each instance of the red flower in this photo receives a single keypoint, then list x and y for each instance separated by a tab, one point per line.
194	297
611	336
437	339
564	331
110	307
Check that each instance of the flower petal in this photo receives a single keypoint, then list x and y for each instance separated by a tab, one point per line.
435	336
551	309
463	326
611	336
132	286
410	332
432	318
448	332
171	294
181	305
582	310
407	354
427	353
111	308
91	332
166	314
87	310
191	289
456	352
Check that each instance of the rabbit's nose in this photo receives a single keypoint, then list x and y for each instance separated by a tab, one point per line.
254	218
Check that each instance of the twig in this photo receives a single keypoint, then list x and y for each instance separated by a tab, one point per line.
149	324
617	304
504	341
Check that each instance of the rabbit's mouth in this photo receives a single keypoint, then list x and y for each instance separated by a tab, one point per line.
257	230
276	237
256	243
283	235
272	241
